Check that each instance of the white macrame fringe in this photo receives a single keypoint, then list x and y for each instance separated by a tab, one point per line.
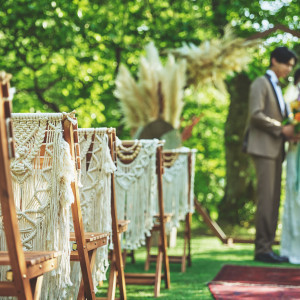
43	194
95	196
178	199
136	192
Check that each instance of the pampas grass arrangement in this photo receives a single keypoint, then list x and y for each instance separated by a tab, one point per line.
159	89
212	61
158	92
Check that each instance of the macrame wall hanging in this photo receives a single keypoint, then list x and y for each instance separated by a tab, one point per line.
136	189
95	193
42	172
191	206
178	193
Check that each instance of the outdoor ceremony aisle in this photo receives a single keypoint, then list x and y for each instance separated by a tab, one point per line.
235	282
209	255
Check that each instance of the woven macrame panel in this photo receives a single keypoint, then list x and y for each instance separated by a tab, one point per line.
178	199
42	172
191	206
95	191
136	194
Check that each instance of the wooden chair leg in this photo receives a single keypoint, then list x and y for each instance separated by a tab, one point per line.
148	248
36	287
92	258
189	258
189	219
124	256
187	234
183	257
119	264
112	282
116	275
166	264
78	223
117	259
132	257
159	260
163	240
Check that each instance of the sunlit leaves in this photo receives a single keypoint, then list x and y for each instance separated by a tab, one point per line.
71	51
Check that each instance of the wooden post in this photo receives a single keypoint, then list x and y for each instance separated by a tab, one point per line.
161	214
115	237
8	208
78	223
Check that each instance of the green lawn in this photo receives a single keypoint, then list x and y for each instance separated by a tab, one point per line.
208	256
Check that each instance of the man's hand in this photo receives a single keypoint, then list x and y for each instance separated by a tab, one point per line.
288	131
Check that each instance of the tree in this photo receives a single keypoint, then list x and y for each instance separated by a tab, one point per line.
237	205
64	55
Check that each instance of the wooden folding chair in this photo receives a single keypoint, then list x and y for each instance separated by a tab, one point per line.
91	160
27	268
126	156
183	158
86	242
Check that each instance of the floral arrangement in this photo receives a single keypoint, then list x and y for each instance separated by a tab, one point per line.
157	92
214	60
294	117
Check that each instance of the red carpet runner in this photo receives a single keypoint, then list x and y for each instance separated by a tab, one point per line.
243	282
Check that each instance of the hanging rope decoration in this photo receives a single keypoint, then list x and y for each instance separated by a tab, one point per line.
177	191
136	189
42	172
129	153
95	195
191	206
170	161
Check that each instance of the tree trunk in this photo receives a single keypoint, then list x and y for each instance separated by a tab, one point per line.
237	204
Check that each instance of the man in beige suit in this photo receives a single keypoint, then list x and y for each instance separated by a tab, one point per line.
265	137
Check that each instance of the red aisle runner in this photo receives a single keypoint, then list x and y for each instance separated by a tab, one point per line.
244	282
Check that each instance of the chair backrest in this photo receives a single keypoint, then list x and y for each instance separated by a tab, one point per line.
137	188
11	229
97	167
98	201
178	181
42	173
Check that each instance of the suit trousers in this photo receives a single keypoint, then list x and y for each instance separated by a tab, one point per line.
268	173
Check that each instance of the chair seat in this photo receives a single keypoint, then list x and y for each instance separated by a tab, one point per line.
31	257
93	241
37	262
123	225
90	236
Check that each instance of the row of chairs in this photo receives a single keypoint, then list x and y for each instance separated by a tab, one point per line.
38	190
75	171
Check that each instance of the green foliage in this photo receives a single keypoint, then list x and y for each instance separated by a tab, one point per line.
64	56
208	139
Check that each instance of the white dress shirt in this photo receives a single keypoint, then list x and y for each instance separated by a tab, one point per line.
277	88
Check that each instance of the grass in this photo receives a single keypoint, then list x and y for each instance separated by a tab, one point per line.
208	256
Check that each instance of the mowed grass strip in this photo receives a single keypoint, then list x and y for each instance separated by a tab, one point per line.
208	256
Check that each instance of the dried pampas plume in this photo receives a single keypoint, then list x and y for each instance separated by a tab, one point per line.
213	60
140	100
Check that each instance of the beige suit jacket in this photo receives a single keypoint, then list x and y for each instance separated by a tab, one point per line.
264	137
